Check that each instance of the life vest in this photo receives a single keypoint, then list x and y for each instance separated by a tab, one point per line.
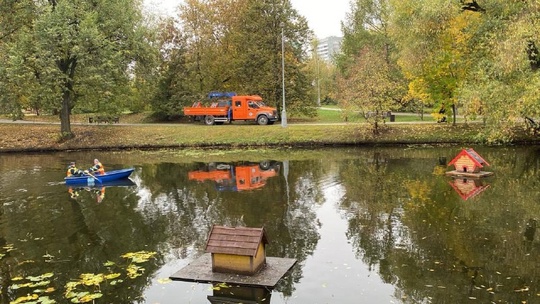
99	168
71	171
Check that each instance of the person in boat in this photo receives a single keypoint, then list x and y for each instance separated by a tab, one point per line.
97	168
100	194
73	193
73	171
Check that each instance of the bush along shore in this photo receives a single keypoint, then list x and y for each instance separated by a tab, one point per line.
37	137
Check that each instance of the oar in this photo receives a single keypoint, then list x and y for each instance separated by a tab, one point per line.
93	177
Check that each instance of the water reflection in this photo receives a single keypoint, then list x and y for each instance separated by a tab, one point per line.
223	294
381	225
468	188
97	192
240	176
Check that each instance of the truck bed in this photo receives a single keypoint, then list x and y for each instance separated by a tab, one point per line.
203	111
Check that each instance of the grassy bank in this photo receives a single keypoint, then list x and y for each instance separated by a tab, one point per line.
45	137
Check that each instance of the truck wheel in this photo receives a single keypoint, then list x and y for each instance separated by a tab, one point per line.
209	120
262	120
265	165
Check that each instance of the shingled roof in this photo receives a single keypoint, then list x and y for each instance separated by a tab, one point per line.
477	159
239	240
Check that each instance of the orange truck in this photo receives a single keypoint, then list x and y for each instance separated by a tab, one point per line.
237	177
228	107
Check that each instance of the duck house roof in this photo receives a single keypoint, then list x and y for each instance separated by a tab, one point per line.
238	241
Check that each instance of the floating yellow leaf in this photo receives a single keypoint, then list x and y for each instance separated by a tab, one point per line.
140	256
90	279
164	280
90	297
25	299
112	276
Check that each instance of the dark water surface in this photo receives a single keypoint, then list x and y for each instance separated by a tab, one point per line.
374	225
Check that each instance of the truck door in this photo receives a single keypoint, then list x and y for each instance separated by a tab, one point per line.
239	109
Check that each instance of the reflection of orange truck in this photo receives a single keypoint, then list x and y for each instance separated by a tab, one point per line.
239	177
228	107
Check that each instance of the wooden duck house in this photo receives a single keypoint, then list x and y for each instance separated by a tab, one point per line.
239	250
469	163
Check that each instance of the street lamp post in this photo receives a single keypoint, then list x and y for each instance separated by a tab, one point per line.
283	112
318	83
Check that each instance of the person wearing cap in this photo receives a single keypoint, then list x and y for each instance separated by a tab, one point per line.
73	171
97	168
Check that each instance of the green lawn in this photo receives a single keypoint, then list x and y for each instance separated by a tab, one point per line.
327	114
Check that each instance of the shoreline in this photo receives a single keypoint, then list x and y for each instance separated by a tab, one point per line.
44	137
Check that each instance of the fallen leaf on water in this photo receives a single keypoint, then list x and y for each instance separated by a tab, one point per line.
164	280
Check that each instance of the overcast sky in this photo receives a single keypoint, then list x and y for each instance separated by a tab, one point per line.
324	16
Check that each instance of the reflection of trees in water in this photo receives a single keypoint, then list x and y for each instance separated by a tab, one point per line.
418	235
51	233
186	210
404	222
374	227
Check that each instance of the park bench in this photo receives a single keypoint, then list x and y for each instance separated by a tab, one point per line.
384	115
532	125
104	119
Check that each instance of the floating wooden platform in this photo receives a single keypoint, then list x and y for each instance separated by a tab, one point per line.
469	174
200	271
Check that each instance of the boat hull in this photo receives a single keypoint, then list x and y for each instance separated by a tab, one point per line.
108	177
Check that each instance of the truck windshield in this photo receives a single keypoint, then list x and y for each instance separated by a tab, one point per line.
256	104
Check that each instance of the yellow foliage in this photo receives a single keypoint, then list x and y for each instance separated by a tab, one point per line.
140	256
90	279
25	299
418	191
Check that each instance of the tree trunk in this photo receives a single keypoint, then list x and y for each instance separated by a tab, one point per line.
67	66
65	123
454	114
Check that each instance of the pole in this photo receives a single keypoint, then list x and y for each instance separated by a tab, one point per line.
283	112
318	82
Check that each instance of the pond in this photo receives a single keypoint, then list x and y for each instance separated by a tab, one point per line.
366	225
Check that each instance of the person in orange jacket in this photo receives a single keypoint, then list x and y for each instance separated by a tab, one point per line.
97	168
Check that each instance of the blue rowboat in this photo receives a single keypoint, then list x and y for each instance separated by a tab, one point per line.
99	179
124	182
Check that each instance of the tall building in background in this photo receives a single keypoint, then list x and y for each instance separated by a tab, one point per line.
328	47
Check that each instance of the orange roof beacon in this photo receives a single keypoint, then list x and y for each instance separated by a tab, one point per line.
468	163
228	107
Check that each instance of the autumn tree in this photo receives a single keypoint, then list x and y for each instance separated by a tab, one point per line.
369	79
258	49
322	74
480	56
236	46
505	80
370	86
173	89
73	51
435	49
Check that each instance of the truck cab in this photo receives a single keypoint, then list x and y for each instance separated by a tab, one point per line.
253	108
